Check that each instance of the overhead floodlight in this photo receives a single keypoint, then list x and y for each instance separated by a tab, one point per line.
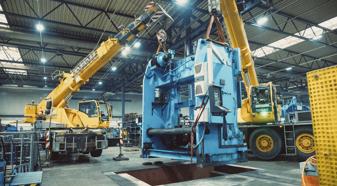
126	51
39	27
113	68
43	60
45	78
181	2
289	68
137	44
100	82
262	20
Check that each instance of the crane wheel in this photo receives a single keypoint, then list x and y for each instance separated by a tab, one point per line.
304	142
96	153
265	143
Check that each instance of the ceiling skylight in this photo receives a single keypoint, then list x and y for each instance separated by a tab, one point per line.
263	51
313	33
8	54
15	71
11	54
330	24
286	42
3	20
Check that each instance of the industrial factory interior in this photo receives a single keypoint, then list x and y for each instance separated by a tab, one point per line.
168	92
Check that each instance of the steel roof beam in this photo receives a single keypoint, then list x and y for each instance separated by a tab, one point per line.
181	16
289	34
202	29
56	22
106	32
135	55
45	49
305	21
293	53
49	38
95	8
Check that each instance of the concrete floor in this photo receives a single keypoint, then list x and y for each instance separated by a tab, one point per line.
101	171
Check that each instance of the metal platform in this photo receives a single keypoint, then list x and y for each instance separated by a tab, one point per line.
27	178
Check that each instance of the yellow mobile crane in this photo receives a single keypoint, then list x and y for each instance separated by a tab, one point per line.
259	114
82	130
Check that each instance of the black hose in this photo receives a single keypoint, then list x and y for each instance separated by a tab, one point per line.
203	105
3	148
169	131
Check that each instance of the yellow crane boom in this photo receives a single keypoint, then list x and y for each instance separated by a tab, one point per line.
260	105
259	113
84	70
238	39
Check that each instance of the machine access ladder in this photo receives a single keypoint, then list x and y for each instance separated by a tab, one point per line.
289	139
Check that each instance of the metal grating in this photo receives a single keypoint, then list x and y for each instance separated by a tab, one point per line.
322	86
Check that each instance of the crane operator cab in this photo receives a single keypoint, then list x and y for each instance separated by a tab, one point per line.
260	105
262	100
96	109
265	100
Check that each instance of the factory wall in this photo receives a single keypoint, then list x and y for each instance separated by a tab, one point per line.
13	100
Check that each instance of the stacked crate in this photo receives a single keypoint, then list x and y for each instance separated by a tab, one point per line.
132	126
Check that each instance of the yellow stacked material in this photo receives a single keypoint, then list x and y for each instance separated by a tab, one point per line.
322	87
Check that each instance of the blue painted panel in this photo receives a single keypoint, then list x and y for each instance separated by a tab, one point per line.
218	140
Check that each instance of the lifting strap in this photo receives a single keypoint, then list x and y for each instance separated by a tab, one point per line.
219	30
161	38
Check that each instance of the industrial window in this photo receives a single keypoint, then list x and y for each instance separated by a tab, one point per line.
286	42
10	57
311	33
89	108
330	24
10	54
16	71
3	20
263	51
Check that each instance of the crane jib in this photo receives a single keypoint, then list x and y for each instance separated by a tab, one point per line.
133	28
123	37
82	64
87	67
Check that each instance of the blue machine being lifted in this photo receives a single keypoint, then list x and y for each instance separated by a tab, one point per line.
190	106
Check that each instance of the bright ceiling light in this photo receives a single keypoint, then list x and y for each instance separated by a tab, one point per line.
113	68
262	20
318	37
43	60
39	27
100	82
126	51
137	44
289	68
181	2
45	78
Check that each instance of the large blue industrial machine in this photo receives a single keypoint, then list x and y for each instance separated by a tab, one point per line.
190	106
292	106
